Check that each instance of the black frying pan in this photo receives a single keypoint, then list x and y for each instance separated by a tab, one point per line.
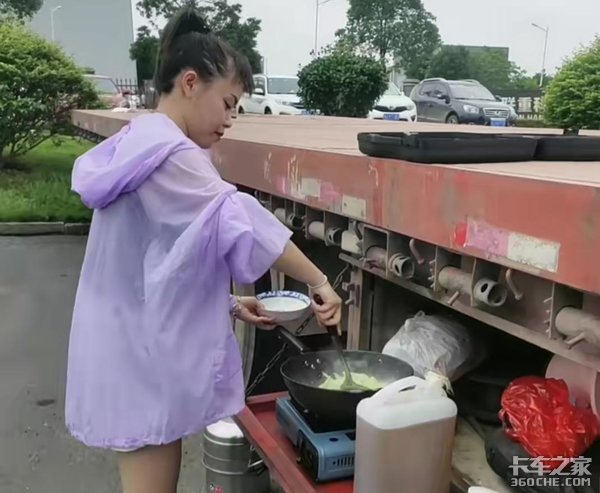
302	375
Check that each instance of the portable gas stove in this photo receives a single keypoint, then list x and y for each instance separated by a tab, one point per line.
326	451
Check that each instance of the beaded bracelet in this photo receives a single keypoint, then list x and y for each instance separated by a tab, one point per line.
237	307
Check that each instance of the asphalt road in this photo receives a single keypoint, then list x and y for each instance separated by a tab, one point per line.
38	278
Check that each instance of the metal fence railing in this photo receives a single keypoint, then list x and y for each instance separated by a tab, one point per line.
130	85
144	90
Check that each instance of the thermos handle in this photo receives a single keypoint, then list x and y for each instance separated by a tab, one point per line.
258	466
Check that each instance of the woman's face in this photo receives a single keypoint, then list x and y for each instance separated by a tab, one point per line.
208	107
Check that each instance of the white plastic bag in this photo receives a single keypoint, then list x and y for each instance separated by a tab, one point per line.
435	343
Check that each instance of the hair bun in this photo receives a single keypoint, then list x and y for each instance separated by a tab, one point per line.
191	21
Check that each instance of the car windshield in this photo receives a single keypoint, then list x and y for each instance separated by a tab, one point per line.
471	91
104	86
392	90
281	85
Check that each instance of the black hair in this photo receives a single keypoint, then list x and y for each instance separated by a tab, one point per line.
187	43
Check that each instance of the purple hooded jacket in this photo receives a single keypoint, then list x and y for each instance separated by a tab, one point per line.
152	353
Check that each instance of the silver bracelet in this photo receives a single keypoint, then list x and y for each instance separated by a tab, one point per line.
323	283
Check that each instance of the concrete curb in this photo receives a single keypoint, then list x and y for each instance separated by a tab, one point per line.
41	228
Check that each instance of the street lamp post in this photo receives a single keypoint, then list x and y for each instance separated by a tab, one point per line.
318	4
52	29
546	30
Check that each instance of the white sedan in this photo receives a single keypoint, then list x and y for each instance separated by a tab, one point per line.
273	95
394	105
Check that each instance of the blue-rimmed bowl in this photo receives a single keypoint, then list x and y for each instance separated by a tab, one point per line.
284	306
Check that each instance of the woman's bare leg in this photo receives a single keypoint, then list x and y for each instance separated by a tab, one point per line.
152	469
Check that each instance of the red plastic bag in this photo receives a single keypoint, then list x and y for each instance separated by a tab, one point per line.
537	413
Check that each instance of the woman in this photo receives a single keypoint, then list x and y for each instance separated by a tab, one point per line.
152	355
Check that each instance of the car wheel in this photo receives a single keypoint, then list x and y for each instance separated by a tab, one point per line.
268	111
241	110
452	119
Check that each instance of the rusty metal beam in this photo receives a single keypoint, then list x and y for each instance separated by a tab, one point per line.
591	360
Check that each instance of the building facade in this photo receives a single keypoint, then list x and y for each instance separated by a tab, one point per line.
97	33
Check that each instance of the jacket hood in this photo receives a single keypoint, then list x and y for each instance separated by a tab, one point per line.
124	161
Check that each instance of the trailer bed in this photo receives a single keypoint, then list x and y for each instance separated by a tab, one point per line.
539	217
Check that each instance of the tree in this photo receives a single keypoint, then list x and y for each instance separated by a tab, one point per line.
224	19
39	86
521	80
419	39
573	97
451	62
20	9
144	51
341	83
398	31
492	68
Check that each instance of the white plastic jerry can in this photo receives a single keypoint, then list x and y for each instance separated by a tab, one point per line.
404	438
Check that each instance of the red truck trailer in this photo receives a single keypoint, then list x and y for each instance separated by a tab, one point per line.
510	246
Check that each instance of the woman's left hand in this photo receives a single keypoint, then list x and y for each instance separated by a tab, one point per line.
249	310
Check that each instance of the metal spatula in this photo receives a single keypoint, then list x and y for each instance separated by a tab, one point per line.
348	384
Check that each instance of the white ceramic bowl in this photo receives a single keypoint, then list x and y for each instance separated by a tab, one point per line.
285	306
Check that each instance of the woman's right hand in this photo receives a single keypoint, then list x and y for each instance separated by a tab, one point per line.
329	313
297	266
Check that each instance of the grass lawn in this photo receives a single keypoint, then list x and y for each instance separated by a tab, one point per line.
37	187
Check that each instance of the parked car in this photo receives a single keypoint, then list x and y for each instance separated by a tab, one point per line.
273	95
394	105
460	101
108	91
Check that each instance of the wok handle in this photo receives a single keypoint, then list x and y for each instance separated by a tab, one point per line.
286	335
